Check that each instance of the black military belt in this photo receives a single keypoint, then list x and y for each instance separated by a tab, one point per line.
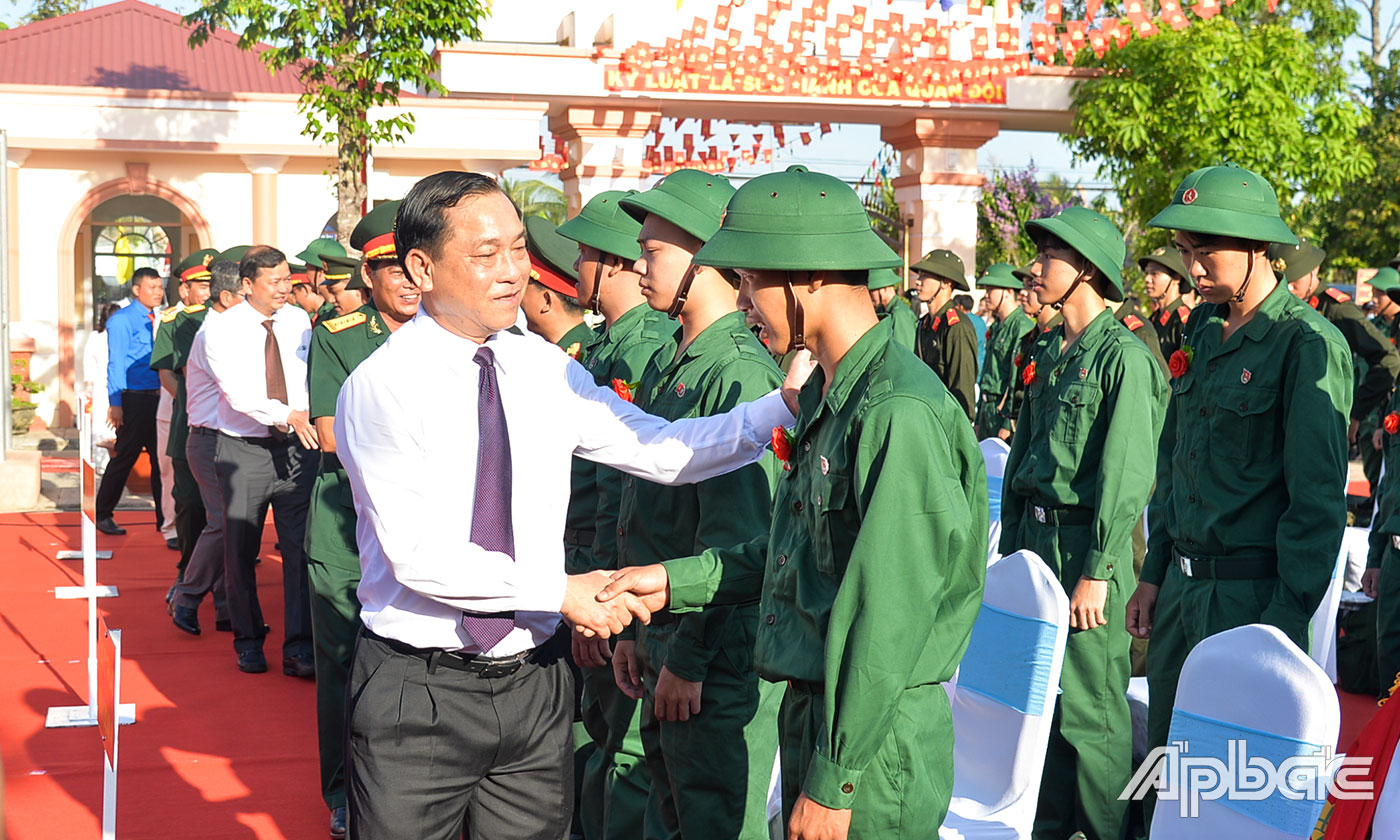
1226	568
807	686
1046	515
486	667
579	536
140	390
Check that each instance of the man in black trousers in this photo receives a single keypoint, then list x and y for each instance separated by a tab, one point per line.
133	394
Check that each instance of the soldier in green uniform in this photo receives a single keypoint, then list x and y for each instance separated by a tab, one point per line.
1299	265
703	706
1387	310
884	294
1009	323
615	782
1382	577
1046	318
304	294
315	272
1369	438
1075	489
1138	323
169	350
1250	504
871	575
338	345
945	340
1165	278
343	282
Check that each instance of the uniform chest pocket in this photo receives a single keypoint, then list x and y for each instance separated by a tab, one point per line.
1075	409
1244	428
834	533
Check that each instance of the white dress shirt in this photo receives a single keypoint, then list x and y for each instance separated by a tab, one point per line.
233	348
201	391
406	431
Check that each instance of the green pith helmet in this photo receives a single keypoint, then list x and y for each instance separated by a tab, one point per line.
1395	262
883	278
1294	261
1170	259
1226	201
692	200
1093	237
999	276
796	220
235	254
196	265
342	269
1385	279
319	247
1024	273
603	224
945	265
544	243
373	235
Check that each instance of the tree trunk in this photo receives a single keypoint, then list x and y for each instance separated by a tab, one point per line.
349	182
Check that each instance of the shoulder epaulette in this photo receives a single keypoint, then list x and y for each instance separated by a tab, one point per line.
344	322
198	307
1313	301
952	317
1337	294
1183	312
169	315
1133	323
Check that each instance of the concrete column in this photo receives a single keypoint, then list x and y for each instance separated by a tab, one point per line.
264	169
938	184
17	157
605	149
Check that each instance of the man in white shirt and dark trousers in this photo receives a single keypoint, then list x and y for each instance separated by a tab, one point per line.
461	702
257	355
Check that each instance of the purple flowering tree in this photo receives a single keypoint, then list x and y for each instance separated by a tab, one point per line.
1010	198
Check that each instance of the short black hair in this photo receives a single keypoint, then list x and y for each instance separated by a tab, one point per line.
259	256
570	304
421	220
963	302
141	274
223	277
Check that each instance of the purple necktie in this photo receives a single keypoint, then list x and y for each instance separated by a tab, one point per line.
491	521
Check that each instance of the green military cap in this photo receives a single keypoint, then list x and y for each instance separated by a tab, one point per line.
318	247
945	265
373	236
1294	261
551	254
1170	259
883	278
235	254
1093	237
1226	201
342	269
1385	279
196	265
692	200
999	276
1024	273
299	277
796	220
603	224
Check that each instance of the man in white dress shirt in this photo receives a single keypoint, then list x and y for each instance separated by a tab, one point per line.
461	702
257	355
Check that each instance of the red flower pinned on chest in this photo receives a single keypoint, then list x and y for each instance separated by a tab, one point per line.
1028	375
1020	357
1392	423
782	445
625	390
1180	362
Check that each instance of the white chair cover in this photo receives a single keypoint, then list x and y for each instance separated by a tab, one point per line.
1324	621
1003	698
1248	684
994	452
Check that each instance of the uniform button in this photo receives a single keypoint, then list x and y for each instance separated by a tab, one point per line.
1243	406
1211	367
848	788
619	532
1203	412
1191	499
1110	567
770	619
782	559
797	505
1193	455
807	446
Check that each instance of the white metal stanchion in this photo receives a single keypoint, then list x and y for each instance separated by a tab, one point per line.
86	715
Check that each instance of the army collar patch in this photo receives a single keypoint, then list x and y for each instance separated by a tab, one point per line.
374	325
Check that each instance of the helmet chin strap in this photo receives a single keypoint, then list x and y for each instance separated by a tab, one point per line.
1059	304
1248	276
593	302
799	341
682	292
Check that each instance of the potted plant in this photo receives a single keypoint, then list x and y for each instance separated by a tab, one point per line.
21	409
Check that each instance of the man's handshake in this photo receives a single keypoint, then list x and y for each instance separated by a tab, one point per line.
602	603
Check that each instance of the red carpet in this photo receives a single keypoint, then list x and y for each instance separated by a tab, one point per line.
214	753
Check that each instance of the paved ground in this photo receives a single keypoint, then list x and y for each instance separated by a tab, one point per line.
60	487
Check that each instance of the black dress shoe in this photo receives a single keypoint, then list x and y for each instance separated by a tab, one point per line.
172	544
107	526
299	666
186	618
252	662
338	822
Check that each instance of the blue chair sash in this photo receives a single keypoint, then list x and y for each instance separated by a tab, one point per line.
1008	659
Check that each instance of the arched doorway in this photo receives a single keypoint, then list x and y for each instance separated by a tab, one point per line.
123	234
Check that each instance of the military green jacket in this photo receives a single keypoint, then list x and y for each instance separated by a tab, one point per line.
1252	460
338	345
871	575
327	310
905	322
1092	415
170	350
1003	340
621	352
1026	350
1384	326
724	366
947	342
583	476
1169	324
1386	525
1365	341
1137	323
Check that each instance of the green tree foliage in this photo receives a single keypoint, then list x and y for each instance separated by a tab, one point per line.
537	198
1010	198
45	9
352	56
1249	87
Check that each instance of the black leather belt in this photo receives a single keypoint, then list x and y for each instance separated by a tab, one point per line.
1243	567
1047	515
807	686
204	430
486	667
140	390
